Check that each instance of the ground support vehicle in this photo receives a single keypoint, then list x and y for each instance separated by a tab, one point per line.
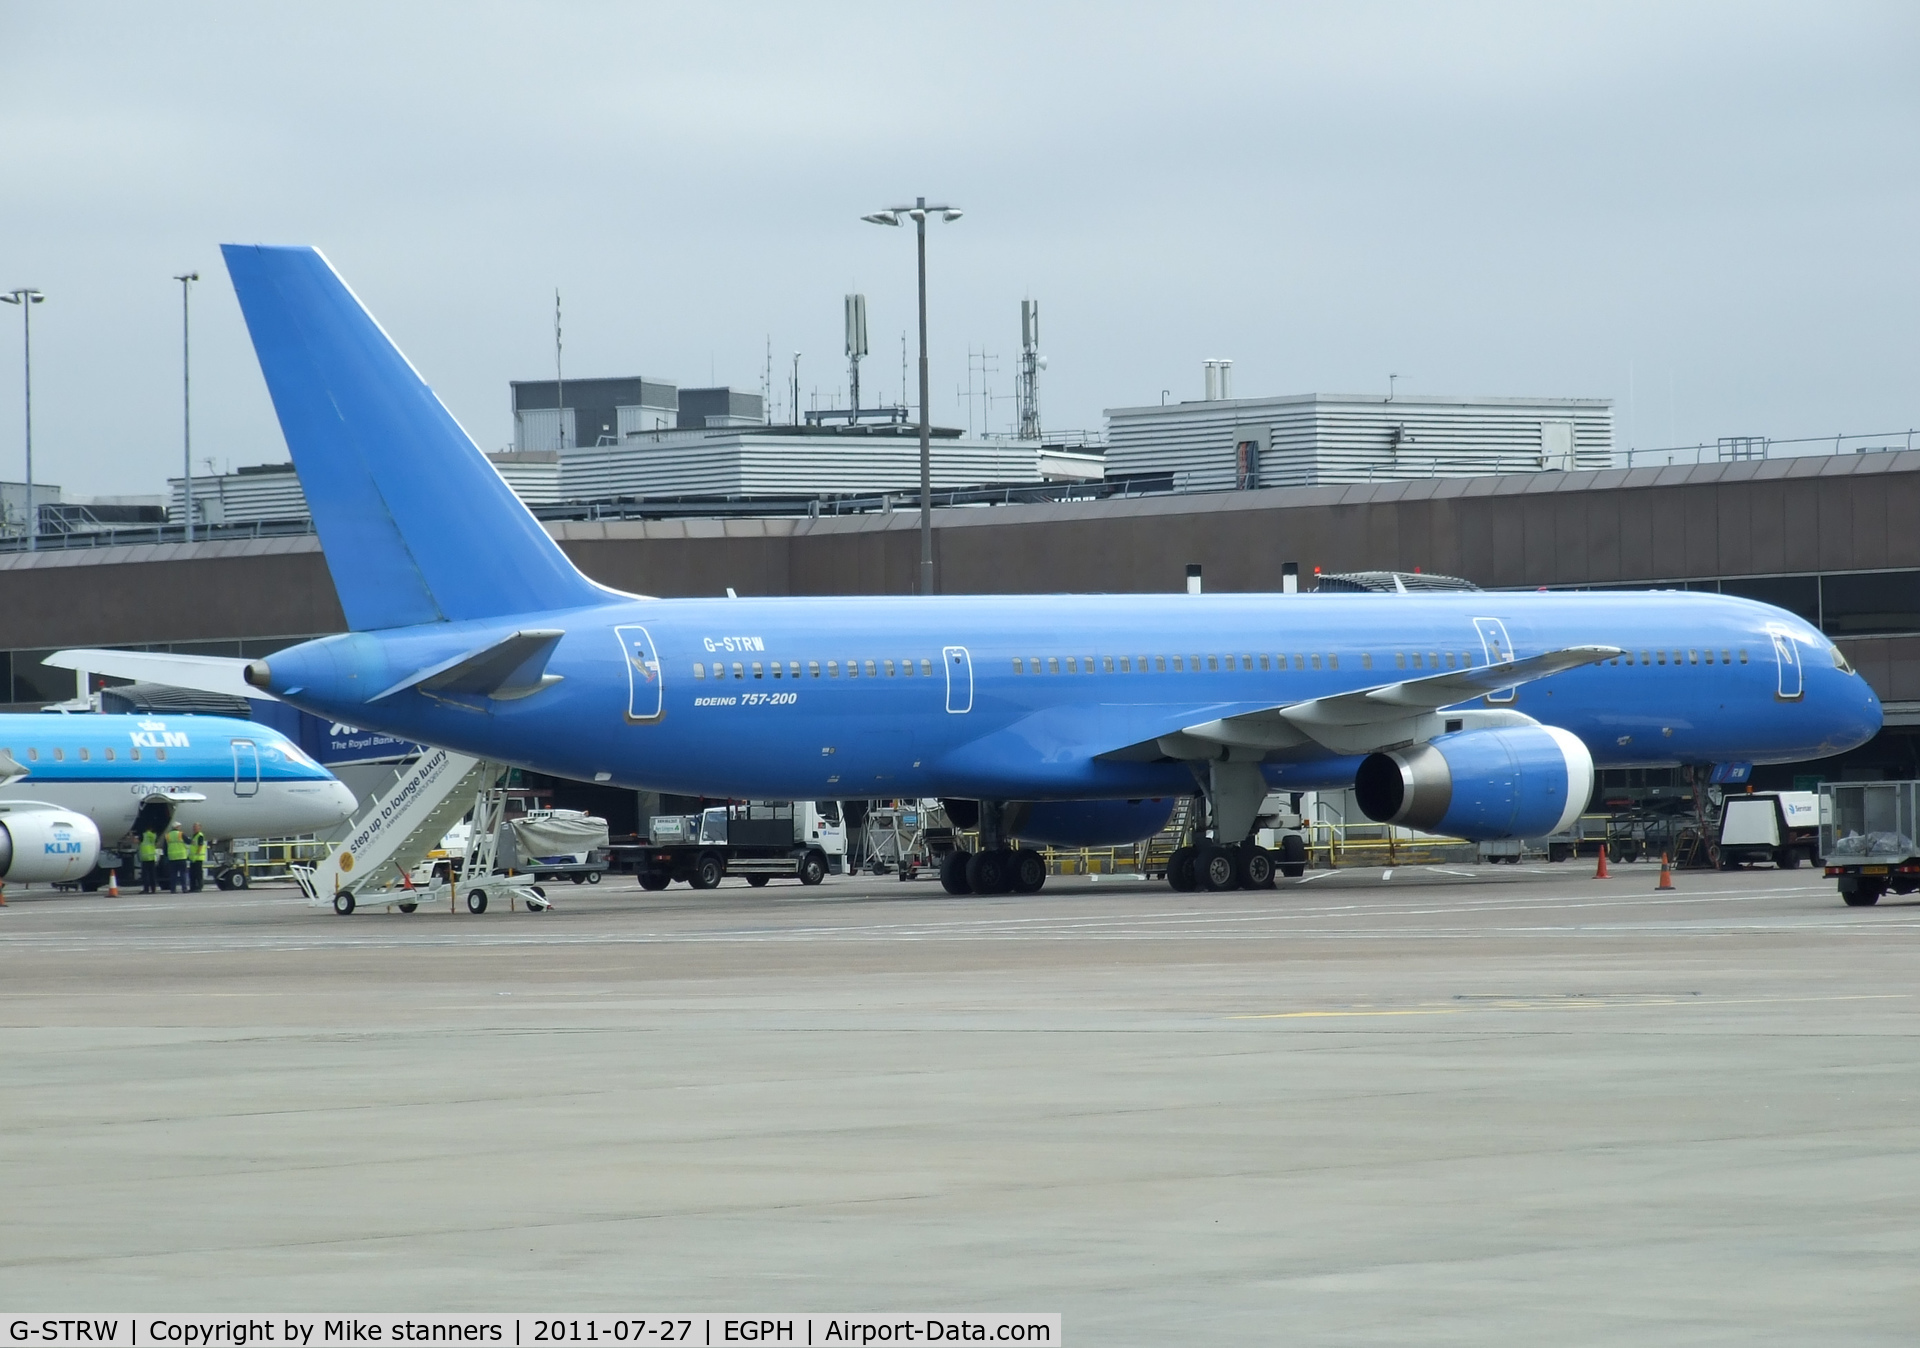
761	840
1867	838
559	845
1778	826
896	838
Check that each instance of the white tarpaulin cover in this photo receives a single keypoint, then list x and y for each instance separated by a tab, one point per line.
562	837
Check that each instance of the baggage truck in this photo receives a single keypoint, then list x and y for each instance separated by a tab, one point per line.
761	840
1867	838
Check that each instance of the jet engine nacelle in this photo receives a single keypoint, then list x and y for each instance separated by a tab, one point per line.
46	843
1510	782
1087	823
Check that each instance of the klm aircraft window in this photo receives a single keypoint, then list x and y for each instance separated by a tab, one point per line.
873	671
33	755
739	670
160	754
133	754
84	756
59	755
110	751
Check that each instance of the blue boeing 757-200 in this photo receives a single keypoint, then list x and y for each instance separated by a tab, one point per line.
1070	719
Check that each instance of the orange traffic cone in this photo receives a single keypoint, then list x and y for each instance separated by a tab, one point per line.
113	884
1666	874
1600	871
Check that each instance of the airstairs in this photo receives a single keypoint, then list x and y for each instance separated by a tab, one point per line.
398	828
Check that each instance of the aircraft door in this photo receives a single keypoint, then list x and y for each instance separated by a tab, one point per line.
645	695
1497	649
1786	654
959	678
246	768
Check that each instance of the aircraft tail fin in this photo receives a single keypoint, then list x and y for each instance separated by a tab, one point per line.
416	525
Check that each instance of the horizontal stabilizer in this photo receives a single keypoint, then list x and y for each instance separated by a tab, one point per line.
204	673
507	669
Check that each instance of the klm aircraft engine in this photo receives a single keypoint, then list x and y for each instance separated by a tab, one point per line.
1087	823
1511	782
44	843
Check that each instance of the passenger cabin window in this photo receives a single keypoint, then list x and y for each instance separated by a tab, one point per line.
739	670
1160	663
1743	657
109	753
59	755
833	669
873	671
160	754
1299	661
776	669
926	668
1333	661
1053	664
1072	668
700	671
889	665
33	755
1316	662
1366	659
813	669
84	756
793	669
132	754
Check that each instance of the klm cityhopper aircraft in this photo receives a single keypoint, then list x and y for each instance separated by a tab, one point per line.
107	776
1069	719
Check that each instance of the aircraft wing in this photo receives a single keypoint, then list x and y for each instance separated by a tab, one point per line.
1367	719
203	673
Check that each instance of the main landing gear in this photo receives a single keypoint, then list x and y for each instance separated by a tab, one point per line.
996	868
1208	865
1232	794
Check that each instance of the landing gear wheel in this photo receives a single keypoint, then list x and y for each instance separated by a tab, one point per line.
1214	868
708	871
408	907
813	867
655	880
757	881
1180	872
1293	856
953	873
1256	867
593	877
987	872
343	903
1028	872
477	901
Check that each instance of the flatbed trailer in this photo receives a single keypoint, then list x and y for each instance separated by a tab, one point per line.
1867	839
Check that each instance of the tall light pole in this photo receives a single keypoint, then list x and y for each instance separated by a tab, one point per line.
186	398
891	216
26	298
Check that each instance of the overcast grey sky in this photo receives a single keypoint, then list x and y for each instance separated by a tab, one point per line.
1704	212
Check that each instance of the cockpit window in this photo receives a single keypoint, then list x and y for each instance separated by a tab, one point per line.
1839	660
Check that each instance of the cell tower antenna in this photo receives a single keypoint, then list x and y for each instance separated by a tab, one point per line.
766	386
1031	363
856	348
559	378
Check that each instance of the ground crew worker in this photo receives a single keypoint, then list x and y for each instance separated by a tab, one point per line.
149	862
176	859
197	859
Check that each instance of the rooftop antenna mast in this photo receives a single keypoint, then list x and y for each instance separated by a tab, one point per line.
793	411
559	380
856	348
1031	363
